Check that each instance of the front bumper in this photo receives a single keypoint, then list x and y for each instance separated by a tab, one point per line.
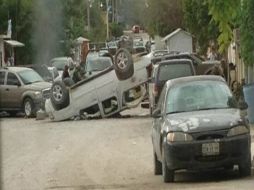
233	151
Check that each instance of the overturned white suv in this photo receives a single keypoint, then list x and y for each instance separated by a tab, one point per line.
105	94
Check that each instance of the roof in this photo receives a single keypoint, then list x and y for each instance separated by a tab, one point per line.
194	78
15	69
80	40
174	33
14	43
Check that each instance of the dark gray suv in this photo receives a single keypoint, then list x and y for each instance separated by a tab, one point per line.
22	89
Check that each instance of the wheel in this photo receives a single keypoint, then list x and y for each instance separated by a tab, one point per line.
68	81
167	174
245	168
29	107
59	95
157	165
124	67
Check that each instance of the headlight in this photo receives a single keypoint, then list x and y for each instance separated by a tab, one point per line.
239	130
38	94
178	136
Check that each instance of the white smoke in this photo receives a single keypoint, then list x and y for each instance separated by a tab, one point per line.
47	29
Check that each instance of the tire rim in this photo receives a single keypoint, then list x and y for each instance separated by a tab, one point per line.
28	108
122	60
57	92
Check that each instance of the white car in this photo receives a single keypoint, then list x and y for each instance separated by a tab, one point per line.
104	94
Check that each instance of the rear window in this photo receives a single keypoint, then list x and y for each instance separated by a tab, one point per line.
172	71
98	64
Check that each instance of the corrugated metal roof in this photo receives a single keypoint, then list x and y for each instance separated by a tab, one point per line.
174	33
14	43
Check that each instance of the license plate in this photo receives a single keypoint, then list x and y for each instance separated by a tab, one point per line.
210	149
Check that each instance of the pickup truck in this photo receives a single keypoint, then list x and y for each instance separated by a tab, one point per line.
104	94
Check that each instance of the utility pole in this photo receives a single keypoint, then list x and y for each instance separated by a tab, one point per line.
107	1
88	15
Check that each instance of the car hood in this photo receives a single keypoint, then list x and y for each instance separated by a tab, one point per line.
39	85
206	120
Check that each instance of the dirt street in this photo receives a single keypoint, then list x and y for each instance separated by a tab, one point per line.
95	154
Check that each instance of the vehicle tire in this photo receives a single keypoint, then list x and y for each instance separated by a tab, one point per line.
245	168
59	95
68	81
29	107
167	174
123	63
157	165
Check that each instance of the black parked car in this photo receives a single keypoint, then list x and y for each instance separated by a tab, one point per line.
198	125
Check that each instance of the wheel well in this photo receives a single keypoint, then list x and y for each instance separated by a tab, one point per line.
25	97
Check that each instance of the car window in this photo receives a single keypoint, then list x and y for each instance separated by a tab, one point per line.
59	64
2	75
198	95
172	71
98	64
12	79
29	76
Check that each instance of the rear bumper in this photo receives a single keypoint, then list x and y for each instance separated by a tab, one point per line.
233	151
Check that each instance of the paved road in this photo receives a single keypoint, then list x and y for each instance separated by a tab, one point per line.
95	154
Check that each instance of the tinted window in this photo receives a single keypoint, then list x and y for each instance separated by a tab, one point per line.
98	64
198	95
2	75
12	79
172	71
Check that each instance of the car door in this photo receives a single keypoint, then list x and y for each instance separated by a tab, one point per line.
2	89
158	122
13	91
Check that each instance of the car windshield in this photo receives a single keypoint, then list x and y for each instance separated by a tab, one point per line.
29	76
98	64
198	95
171	71
59	64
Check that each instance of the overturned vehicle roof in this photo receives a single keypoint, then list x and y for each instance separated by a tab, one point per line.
110	91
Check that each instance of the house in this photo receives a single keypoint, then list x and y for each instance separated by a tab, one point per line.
179	41
81	48
7	50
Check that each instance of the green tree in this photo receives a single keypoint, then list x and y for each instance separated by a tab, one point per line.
20	12
116	29
164	16
247	32
199	23
224	13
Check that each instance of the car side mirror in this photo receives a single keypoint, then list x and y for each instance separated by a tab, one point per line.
17	83
156	113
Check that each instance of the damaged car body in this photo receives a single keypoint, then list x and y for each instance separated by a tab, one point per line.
198	125
118	87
